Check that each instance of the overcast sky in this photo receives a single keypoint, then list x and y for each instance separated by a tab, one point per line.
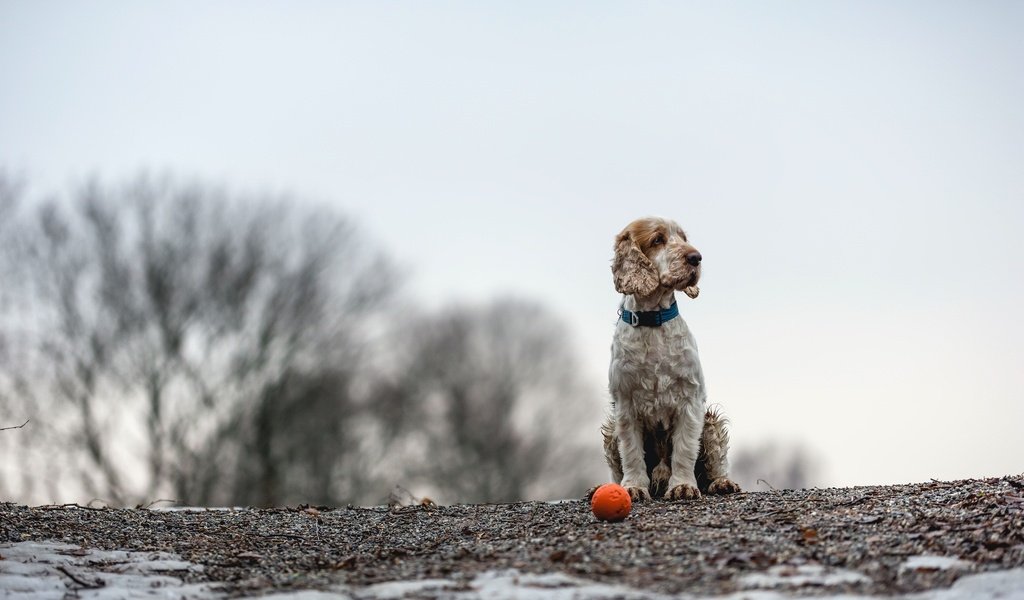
852	172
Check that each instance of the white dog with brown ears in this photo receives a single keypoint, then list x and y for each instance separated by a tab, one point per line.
660	439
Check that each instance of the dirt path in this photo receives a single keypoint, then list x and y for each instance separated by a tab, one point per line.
867	540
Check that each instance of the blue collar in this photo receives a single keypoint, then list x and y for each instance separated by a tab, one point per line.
649	318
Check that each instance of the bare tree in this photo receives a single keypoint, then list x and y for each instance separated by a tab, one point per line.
495	403
775	465
177	330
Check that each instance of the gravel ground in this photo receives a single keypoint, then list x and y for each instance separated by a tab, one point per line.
865	540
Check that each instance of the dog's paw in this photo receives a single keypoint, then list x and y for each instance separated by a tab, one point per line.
659	480
723	486
684	491
638	494
590	493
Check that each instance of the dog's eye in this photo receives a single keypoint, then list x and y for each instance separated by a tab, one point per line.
658	240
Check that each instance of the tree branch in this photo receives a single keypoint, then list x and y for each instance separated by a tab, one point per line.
16	426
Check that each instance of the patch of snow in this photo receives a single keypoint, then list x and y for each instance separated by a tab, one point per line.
396	590
23	569
48	570
308	595
772	595
512	585
790	576
543	580
47	553
1006	585
19	584
995	585
160	564
933	562
496	585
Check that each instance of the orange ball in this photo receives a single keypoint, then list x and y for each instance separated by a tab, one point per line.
610	502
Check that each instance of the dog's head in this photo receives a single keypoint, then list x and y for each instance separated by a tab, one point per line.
653	253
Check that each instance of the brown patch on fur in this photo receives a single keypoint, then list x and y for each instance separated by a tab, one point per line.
633	271
644	232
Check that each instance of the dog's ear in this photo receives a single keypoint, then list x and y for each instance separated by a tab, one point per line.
633	272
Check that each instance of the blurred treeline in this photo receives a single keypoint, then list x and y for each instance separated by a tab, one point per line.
175	340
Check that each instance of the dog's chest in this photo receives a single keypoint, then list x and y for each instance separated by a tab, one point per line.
655	370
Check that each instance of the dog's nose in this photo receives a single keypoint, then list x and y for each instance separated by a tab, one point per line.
693	258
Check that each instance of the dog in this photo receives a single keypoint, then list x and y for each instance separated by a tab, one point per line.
660	439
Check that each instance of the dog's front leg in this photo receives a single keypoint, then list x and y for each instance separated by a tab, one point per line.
685	447
631	449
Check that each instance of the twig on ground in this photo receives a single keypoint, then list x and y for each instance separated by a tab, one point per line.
68	505
85	584
16	426
159	500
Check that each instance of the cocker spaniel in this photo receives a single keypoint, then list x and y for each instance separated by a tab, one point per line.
660	439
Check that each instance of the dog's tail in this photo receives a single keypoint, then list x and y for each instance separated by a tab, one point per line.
713	460
611	449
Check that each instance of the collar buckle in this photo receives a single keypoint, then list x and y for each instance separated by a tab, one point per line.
629	317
